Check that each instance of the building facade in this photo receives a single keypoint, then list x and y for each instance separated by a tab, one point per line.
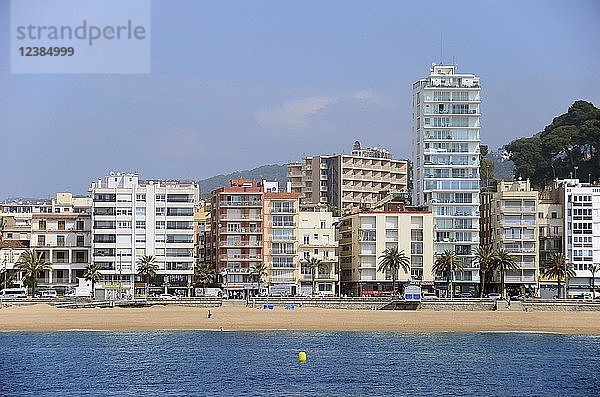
365	236
281	210
132	218
446	158
581	237
348	181
514	209
317	239
237	235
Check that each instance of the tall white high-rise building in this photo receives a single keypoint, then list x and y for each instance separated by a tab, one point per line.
446	163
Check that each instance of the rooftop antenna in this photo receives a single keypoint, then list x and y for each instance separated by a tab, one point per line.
441	48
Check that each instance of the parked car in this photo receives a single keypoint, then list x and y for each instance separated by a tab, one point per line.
429	296
494	296
168	296
466	295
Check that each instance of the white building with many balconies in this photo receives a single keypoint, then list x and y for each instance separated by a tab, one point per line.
132	218
446	162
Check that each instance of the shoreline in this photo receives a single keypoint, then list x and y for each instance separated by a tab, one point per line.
45	318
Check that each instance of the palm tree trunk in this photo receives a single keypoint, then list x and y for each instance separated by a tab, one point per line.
558	283
394	284
482	275
502	282
313	282
449	285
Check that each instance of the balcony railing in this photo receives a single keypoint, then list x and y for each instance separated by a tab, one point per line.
249	203
225	230
235	257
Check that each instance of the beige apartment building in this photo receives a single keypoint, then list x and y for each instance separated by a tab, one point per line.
281	219
59	229
348	181
514	209
316	239
365	236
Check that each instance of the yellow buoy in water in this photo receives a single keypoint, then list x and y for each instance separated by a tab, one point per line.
302	357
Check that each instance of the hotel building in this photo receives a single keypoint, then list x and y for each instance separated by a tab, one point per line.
446	163
348	181
132	218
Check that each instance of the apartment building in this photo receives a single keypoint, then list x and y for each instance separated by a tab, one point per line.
281	219
202	233
514	208
581	238
317	239
58	229
446	155
551	223
366	235
237	235
132	218
63	237
348	181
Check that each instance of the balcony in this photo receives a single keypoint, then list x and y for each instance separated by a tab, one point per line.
237	217
240	257
240	230
236	244
247	203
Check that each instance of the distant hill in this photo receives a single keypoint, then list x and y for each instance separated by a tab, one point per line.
271	172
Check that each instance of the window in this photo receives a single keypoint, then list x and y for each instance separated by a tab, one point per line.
123	211
416	235
124	224
140	238
140	211
140	224
80	241
160	224
60	241
323	224
61	225
160	198
41	241
79	225
140	197
42	225
306	239
160	211
554	215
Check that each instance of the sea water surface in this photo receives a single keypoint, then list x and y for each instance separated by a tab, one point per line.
195	363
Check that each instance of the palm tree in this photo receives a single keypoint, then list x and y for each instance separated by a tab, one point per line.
484	257
502	262
32	264
92	273
594	269
259	271
147	269
315	265
447	263
558	267
391	261
204	274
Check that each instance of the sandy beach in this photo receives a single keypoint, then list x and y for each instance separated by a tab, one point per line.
41	317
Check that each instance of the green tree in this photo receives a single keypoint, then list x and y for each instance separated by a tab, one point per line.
204	274
259	271
595	268
147	269
33	265
392	261
568	146
315	265
558	267
446	264
93	274
530	163
484	257
502	262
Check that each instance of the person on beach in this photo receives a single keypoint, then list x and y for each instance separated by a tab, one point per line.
209	314
508	302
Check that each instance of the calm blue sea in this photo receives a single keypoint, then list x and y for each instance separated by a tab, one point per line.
194	363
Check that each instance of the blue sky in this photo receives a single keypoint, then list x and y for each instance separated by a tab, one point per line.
237	84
